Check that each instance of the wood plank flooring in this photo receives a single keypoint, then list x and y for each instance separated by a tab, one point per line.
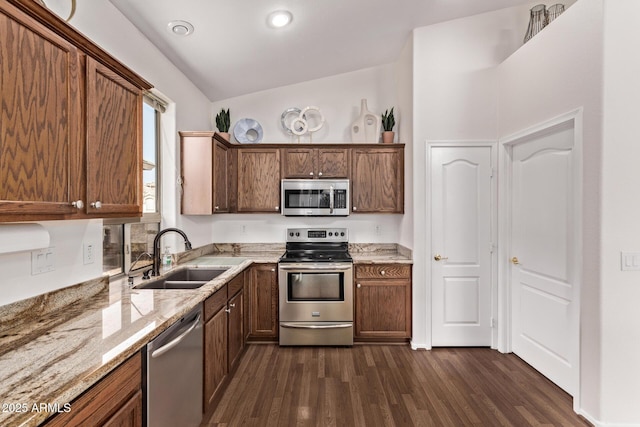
371	385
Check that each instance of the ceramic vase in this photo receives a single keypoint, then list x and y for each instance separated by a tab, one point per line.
387	136
367	126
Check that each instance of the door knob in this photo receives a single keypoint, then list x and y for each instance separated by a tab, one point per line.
439	257
515	261
359	285
319	173
78	204
96	205
310	173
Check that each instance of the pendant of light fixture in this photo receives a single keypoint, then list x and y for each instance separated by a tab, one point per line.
73	8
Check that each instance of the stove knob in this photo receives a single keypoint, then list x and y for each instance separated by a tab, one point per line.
291	233
298	234
342	234
330	234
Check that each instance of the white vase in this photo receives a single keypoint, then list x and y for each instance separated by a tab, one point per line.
367	126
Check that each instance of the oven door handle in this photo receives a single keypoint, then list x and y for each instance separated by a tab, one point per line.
315	268
316	326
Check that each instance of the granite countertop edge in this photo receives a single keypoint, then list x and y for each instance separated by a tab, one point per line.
55	357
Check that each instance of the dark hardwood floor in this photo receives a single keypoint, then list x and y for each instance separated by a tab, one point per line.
370	385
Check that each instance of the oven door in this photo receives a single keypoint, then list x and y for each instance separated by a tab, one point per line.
315	292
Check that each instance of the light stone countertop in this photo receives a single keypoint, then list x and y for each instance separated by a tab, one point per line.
56	346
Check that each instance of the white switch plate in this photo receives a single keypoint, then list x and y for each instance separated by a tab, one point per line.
630	261
42	261
88	254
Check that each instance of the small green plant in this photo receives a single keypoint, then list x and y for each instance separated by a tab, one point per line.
388	121
223	120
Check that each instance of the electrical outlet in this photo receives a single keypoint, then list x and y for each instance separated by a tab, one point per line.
88	253
243	229
378	230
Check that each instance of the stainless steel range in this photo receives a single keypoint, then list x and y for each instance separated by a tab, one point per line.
315	278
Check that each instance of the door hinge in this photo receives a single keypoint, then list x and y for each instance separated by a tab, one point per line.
492	247
492	171
493	322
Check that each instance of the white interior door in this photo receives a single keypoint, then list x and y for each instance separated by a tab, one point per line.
461	251
544	240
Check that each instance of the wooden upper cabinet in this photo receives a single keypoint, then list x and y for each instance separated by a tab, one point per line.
316	163
259	180
70	122
40	119
377	180
114	143
206	171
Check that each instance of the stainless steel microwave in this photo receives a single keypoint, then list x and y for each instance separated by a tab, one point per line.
315	197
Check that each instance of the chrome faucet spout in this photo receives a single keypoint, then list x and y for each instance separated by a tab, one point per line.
156	247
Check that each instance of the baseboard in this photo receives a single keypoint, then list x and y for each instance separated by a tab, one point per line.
419	346
598	423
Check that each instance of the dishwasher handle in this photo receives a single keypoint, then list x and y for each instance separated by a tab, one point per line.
174	342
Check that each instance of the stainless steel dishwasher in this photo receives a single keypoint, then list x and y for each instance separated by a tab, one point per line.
174	374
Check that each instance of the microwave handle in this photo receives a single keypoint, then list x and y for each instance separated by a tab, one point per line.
331	196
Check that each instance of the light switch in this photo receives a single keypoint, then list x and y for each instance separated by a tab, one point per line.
42	261
630	261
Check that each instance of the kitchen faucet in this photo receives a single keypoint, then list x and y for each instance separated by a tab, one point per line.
145	273
156	247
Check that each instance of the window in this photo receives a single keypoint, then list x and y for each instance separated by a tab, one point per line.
125	241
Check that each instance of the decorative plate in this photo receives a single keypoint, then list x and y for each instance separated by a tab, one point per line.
247	131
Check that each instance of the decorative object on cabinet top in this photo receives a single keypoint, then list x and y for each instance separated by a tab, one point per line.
388	122
540	16
71	13
248	131
366	128
223	122
300	123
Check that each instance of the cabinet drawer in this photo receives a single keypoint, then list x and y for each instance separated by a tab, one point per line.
382	271
235	285
215	302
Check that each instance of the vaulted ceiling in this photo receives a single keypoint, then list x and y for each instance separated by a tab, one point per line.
232	51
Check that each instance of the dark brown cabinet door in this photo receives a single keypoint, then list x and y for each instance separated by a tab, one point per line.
264	301
259	180
383	302
333	163
215	355
236	328
40	119
315	163
114	143
129	415
221	178
377	183
299	163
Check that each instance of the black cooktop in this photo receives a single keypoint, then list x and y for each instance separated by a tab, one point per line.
316	252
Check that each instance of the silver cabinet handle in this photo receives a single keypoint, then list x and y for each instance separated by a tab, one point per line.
383	272
319	173
217	208
232	305
228	310
96	205
273	269
277	208
354	208
79	204
310	173
359	285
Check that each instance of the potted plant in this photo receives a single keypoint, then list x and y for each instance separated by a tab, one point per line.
388	122
223	122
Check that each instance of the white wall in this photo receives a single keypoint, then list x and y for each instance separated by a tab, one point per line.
557	71
620	290
454	98
103	23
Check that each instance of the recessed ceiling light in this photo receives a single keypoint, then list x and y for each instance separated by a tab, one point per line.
279	18
180	28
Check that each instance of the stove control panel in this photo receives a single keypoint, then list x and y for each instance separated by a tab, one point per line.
317	235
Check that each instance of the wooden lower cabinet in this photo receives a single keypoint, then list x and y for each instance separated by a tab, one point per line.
116	400
264	302
224	337
382	302
215	345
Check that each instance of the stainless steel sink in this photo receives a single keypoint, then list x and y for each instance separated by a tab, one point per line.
188	278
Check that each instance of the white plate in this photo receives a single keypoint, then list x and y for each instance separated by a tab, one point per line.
247	131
